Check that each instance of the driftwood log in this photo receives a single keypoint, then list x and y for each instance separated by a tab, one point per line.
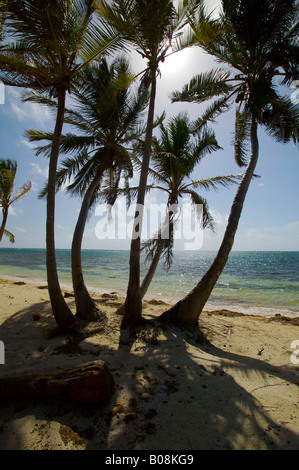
90	383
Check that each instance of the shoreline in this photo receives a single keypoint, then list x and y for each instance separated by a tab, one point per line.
232	385
246	308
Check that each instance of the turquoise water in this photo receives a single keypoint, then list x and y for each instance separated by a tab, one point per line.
252	282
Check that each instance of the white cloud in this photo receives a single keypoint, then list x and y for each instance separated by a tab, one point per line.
27	111
28	144
38	170
20	229
13	211
280	237
34	186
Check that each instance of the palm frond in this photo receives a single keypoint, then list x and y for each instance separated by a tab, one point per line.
99	39
8	164
6	186
40	98
215	182
201	209
8	169
164	235
21	191
52	42
242	136
204	87
218	107
10	236
282	120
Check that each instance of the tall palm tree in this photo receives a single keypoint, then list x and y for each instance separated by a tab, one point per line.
53	42
8	170
258	42
2	19
175	155
105	117
152	27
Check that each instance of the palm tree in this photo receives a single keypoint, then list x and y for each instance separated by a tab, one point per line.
175	156
53	42
105	117
258	41
152	27
8	170
2	19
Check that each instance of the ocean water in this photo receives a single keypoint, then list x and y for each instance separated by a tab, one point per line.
264	283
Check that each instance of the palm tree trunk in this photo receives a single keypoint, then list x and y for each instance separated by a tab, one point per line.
187	311
133	303
61	311
165	232
5	215
152	269
86	309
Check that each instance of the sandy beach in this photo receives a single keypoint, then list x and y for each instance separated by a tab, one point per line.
232	385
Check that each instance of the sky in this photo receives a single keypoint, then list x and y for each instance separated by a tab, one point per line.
270	217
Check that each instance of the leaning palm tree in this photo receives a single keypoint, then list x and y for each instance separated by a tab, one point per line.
258	41
152	27
8	170
2	19
175	155
105	117
52	42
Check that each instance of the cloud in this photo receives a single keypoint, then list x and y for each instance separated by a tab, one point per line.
18	112
27	111
38	170
34	186
28	144
280	237
13	211
20	229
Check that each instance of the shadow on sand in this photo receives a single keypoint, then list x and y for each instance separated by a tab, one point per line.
174	390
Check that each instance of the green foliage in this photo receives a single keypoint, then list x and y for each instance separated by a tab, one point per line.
105	117
257	41
2	18
176	153
52	42
8	170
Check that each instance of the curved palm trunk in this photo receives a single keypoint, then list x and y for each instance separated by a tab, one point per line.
165	233
61	311
86	309
152	269
5	215
133	302
187	311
